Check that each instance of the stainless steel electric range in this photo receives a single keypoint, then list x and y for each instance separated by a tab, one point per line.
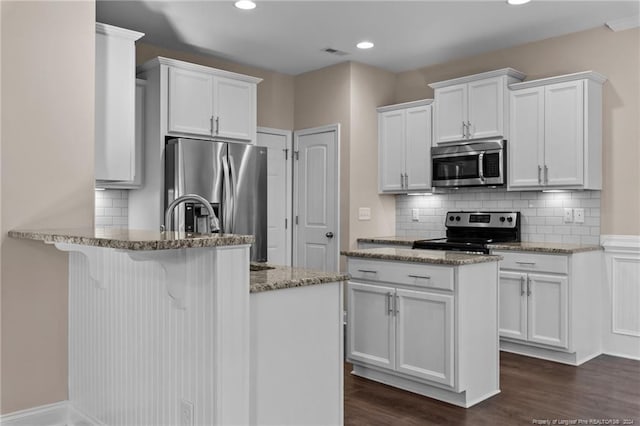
472	232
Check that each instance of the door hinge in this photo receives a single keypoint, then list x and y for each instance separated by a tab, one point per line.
297	154
286	154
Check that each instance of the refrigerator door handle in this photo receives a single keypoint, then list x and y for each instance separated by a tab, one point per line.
227	204
232	193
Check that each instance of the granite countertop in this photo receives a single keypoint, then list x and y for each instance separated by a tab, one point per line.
392	240
438	257
558	248
131	239
281	277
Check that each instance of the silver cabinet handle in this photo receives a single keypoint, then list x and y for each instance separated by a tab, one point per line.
367	271
522	286
528	286
468	129
425	277
395	304
211	125
388	304
525	263
406	181
539	174
546	174
402	180
464	129
217	125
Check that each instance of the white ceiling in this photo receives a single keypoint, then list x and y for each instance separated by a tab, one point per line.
289	36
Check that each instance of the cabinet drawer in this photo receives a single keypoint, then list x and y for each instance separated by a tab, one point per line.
418	275
558	264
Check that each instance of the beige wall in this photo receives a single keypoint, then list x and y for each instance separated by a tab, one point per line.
322	97
616	55
47	51
275	91
370	88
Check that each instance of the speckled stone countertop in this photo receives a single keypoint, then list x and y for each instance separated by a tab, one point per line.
438	257
557	248
281	277
392	240
131	239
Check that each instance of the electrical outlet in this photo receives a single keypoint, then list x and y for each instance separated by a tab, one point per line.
186	413
568	215
415	215
578	215
364	213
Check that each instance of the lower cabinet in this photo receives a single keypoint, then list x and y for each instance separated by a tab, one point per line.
404	330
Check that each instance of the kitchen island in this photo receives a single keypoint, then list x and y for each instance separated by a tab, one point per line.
425	321
173	328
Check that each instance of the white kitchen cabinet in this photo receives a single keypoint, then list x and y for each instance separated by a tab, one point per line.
556	133
550	305
115	101
429	329
473	107
404	147
203	102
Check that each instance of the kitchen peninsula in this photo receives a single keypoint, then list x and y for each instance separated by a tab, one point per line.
173	328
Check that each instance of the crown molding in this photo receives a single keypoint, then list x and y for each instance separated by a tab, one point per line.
509	72
158	61
404	105
584	75
110	30
624	23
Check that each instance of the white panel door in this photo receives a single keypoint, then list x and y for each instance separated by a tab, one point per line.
370	324
316	198
486	108
391	132
513	305
425	334
279	194
548	310
526	147
190	102
564	133
450	113
235	109
418	148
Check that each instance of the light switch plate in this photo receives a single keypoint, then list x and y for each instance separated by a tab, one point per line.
568	215
415	215
578	215
364	213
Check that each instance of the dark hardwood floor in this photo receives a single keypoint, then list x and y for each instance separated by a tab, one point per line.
605	388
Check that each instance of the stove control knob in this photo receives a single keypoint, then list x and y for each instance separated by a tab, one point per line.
509	219
451	218
502	219
458	218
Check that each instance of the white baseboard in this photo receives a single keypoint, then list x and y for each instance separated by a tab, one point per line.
56	414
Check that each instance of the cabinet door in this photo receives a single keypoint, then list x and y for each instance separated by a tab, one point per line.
450	113
513	305
486	108
425	335
391	134
525	150
190	102
418	148
370	324
234	109
564	133
548	310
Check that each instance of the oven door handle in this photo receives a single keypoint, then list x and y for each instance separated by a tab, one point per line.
480	166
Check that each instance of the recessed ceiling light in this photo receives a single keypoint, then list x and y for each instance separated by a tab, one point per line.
364	45
517	2
245	4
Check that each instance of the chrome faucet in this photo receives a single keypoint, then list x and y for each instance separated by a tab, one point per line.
213	224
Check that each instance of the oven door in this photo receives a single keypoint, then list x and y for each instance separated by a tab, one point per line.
461	169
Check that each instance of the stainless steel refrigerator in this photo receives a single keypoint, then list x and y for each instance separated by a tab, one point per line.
232	176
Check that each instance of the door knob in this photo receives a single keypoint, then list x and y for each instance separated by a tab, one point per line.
329	234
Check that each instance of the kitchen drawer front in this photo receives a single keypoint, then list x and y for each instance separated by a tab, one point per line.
534	262
413	274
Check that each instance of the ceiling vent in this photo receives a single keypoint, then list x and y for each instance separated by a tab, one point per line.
333	51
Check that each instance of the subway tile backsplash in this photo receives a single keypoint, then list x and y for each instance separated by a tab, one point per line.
112	208
542	213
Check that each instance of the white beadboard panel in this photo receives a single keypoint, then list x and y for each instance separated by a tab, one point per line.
112	208
134	355
542	213
621	295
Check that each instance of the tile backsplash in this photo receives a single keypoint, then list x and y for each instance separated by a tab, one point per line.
112	208
542	213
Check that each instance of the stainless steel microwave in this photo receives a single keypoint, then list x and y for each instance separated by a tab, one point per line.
480	163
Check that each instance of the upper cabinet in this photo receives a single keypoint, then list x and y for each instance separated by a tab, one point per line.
473	107
115	100
211	103
556	133
404	147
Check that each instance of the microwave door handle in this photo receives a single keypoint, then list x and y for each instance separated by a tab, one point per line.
480	166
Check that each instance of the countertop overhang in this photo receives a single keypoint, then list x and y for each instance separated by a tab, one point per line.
438	257
281	277
131	239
